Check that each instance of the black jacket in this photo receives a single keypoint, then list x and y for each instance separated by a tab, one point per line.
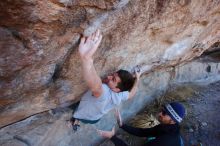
166	134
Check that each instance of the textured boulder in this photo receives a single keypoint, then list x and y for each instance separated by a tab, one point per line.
39	64
50	128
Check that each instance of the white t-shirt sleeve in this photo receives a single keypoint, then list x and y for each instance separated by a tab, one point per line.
117	98
105	91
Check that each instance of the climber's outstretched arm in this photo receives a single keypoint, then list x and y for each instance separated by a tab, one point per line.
87	48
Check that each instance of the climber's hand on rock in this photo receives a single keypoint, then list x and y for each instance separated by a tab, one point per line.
89	45
138	72
107	134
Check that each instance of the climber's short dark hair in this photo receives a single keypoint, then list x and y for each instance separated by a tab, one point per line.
127	80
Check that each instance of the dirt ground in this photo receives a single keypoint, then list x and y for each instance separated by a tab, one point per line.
201	126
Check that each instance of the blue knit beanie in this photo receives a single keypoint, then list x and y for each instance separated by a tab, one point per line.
176	111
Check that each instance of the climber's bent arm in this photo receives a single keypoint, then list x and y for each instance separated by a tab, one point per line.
135	86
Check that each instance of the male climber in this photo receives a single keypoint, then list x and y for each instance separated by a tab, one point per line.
103	95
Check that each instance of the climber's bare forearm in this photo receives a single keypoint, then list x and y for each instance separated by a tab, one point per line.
91	77
135	86
134	89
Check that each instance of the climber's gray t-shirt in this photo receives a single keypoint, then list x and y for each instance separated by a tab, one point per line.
93	108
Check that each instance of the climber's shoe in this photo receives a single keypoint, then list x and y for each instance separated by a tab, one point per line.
74	124
75	127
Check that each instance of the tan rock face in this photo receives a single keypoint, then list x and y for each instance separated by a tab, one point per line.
39	64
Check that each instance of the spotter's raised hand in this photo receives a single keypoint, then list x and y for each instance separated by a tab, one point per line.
107	134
